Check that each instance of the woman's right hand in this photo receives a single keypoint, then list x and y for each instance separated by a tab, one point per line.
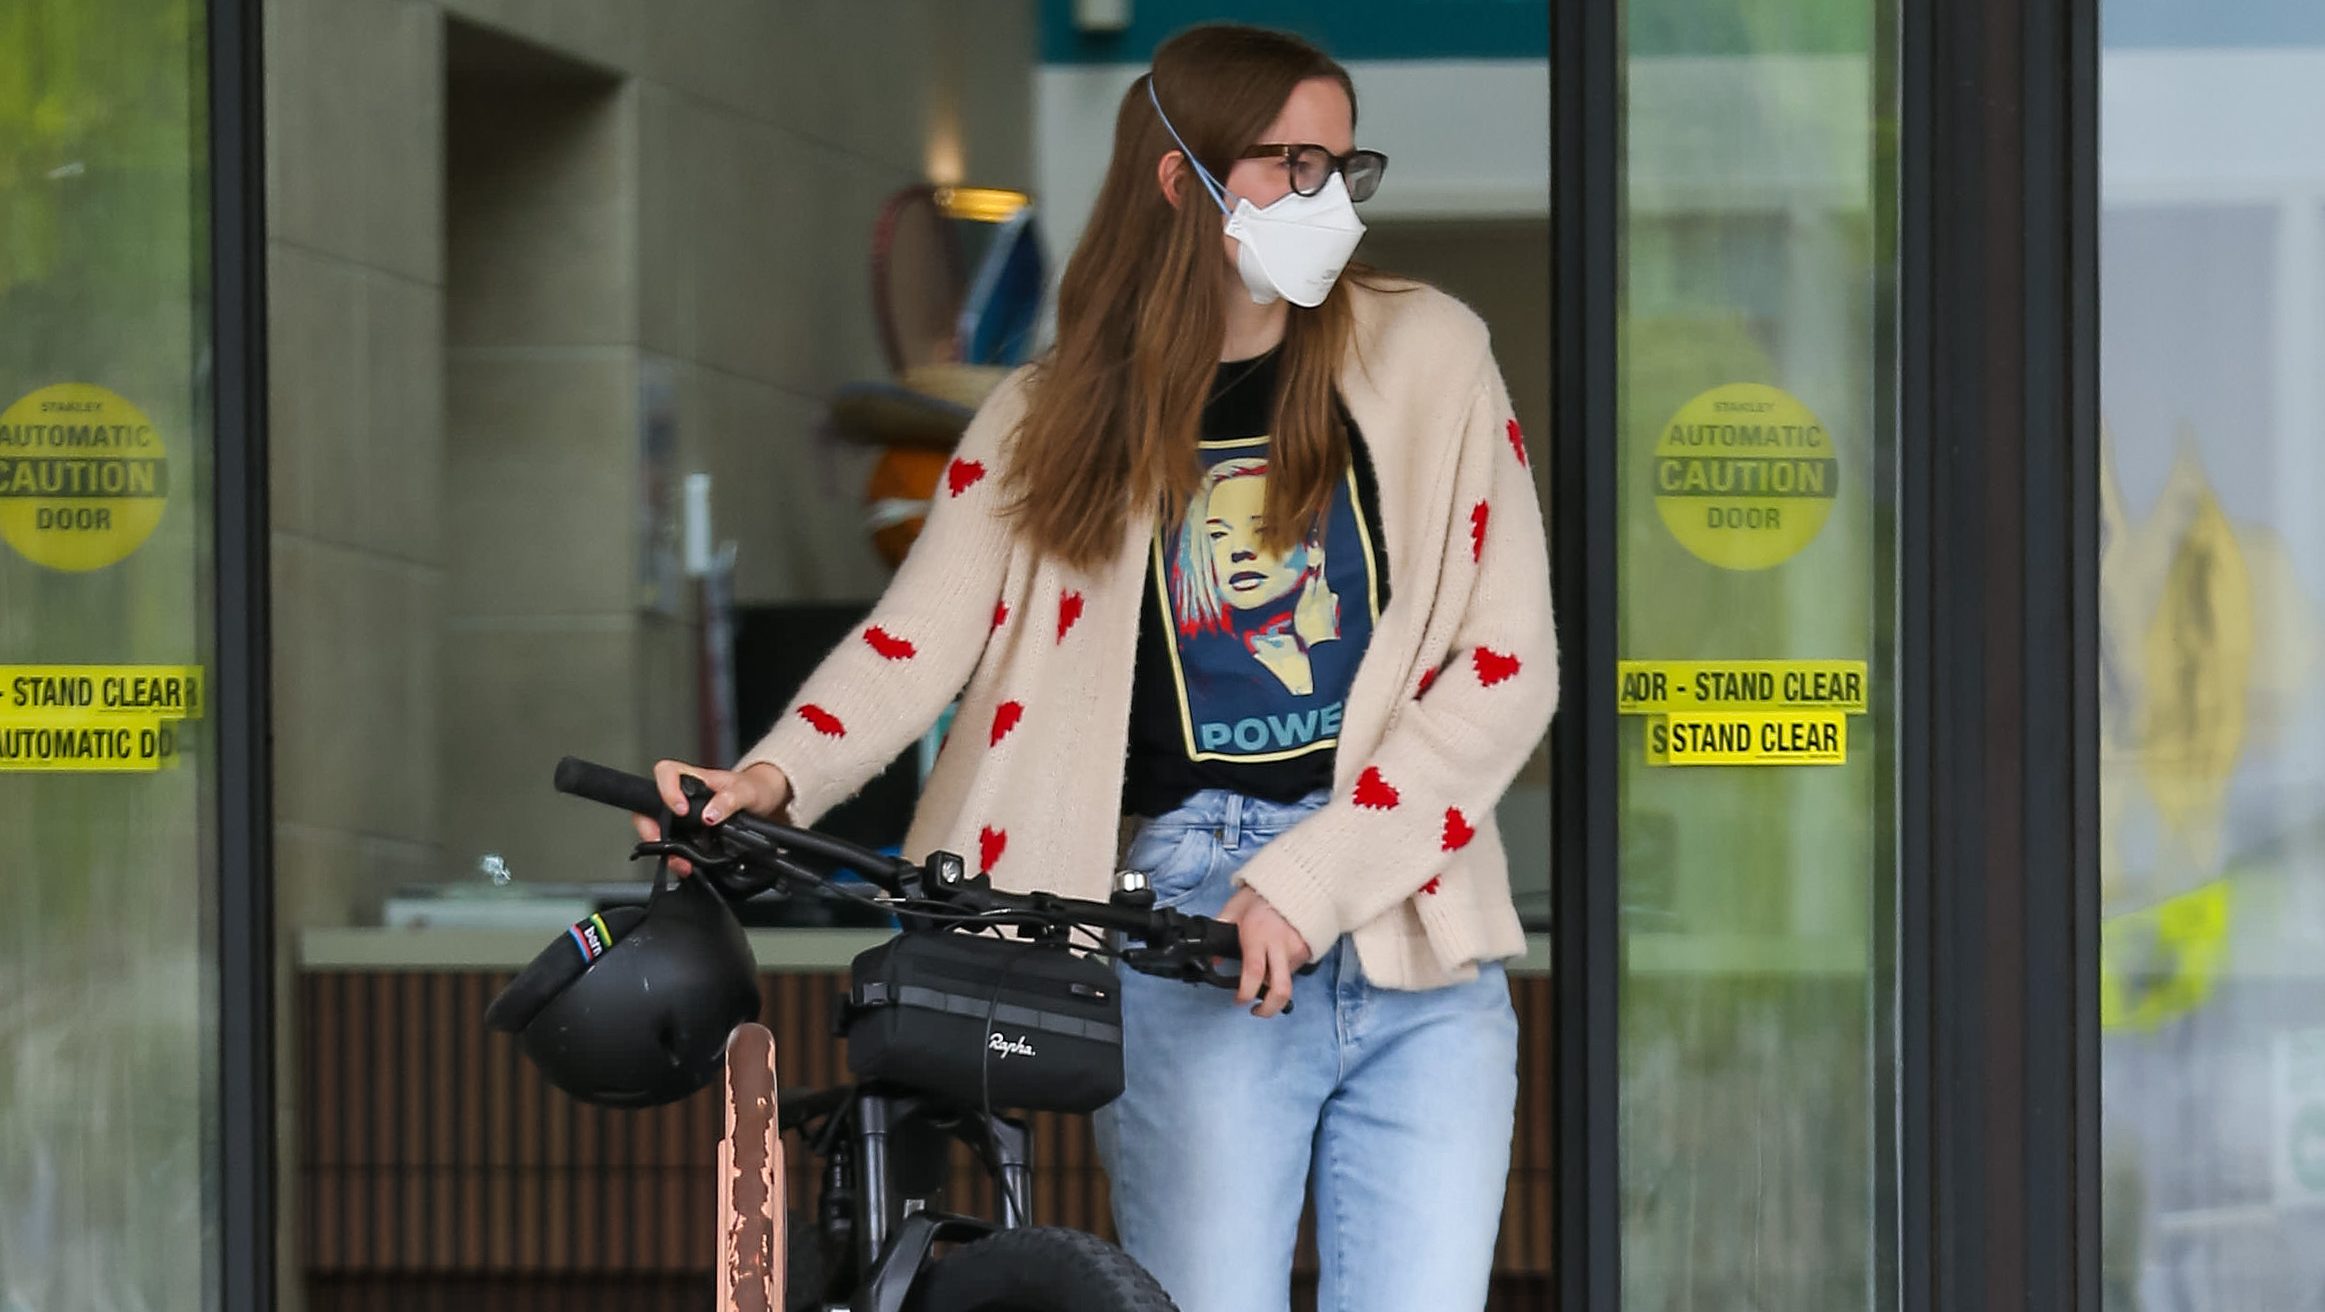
761	790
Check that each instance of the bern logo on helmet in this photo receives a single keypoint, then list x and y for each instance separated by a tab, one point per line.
592	937
1007	1048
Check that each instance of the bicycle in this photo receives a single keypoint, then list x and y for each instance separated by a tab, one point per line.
883	1145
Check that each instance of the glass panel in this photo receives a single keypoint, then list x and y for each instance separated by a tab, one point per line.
2212	655
534	271
1757	622
598	277
559	457
107	969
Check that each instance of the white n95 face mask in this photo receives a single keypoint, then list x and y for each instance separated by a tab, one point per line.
1295	248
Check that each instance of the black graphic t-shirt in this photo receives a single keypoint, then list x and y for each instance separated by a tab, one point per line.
1245	655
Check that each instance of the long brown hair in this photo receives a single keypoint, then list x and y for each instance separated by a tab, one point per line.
1115	408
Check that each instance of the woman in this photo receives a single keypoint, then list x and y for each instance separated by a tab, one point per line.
1342	816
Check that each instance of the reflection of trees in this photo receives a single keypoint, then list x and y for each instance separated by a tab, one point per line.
2208	645
104	1035
101	124
100	1150
2201	638
1747	1141
2209	649
1690	27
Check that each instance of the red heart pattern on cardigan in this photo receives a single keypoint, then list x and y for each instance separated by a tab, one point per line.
1373	792
1005	718
1069	610
1000	613
1457	830
961	475
1428	677
1477	517
824	721
1492	666
888	644
990	842
1435	882
1517	441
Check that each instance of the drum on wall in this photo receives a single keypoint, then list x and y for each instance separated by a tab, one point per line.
918	281
958	280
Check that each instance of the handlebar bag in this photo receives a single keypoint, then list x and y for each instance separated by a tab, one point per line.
980	1020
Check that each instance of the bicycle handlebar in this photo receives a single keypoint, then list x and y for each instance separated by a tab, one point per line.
1195	936
636	793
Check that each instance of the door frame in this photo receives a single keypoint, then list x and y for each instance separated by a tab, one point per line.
1999	782
246	1275
1585	227
1994	1077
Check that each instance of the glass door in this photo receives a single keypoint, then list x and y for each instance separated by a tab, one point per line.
1755	621
113	1138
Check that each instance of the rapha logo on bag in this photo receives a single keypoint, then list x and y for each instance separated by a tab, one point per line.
1007	1048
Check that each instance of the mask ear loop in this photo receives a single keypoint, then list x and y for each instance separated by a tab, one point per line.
1218	193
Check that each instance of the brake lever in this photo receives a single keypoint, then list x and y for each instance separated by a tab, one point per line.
1174	964
692	855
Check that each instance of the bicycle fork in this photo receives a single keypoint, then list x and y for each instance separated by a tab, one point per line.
892	1138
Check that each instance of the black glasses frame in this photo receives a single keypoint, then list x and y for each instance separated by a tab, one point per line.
1361	184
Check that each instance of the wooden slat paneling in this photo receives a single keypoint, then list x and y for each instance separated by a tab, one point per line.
433	1156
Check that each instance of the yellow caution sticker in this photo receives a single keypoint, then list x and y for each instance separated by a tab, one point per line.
1748	738
1745	476
87	719
173	691
84	477
1662	687
88	744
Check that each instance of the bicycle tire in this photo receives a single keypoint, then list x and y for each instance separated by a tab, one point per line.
805	1278
1038	1269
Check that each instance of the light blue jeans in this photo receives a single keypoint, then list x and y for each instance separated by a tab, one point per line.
1395	1105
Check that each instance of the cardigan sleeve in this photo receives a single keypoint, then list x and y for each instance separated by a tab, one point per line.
889	679
1449	755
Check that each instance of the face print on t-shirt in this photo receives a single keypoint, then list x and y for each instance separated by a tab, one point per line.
1265	642
1245	572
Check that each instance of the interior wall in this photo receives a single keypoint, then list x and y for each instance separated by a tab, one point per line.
454	411
752	146
1501	269
542	633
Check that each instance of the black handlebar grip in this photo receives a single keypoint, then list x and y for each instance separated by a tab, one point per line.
616	788
1222	939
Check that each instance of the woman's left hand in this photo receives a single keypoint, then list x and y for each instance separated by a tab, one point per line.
1272	951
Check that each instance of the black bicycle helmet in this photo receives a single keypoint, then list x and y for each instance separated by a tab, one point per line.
632	1007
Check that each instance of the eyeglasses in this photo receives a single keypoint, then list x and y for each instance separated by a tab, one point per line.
1311	166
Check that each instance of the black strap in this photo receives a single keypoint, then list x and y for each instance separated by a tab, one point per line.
662	867
875	993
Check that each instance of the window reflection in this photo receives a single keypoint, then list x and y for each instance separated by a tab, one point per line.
2212	653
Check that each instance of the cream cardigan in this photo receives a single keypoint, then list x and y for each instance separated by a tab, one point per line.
1454	691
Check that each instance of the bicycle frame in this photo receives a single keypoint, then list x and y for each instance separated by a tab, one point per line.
883	1170
890	1127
